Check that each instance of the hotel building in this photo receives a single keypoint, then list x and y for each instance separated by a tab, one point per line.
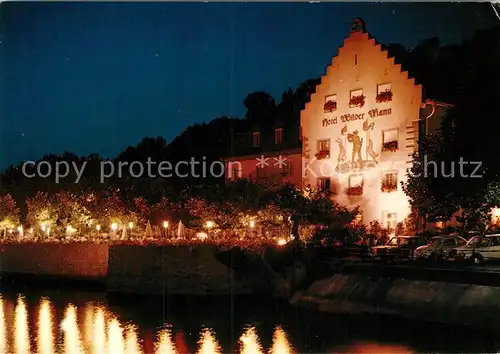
361	128
357	136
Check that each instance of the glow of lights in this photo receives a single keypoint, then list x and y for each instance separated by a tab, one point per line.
165	224
115	339
70	229
89	323
99	333
19	229
495	212
45	334
130	225
22	336
43	226
114	226
250	343
98	227
202	236
281	345
131	341
3	332
210	224
69	325
281	242
208	344
165	345
252	224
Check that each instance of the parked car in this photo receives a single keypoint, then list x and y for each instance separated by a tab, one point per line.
397	249
478	249
439	247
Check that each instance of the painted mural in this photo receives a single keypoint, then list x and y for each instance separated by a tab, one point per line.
359	160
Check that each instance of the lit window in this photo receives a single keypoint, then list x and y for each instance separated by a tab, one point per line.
356	98
324	145
390	221
278	136
355	185
256	139
355	181
384	93
324	184
383	88
389	181
330	103
390	140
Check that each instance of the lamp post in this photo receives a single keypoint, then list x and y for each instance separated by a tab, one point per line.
114	227
98	228
209	226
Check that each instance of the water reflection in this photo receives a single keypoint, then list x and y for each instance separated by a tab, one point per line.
45	334
21	329
94	329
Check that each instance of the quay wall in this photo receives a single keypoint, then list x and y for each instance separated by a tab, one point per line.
477	306
170	270
132	269
83	260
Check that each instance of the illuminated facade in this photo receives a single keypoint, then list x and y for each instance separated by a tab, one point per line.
360	129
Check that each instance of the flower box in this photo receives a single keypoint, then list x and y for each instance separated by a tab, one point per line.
323	154
388	187
384	96
390	146
357	101
330	106
358	190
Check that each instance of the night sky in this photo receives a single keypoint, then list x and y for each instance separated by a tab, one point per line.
97	77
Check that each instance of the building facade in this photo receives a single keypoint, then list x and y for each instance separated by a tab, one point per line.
361	128
266	152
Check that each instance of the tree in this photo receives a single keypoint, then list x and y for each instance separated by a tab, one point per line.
41	212
9	213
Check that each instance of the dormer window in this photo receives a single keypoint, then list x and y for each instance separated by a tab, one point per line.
256	139
330	103
278	136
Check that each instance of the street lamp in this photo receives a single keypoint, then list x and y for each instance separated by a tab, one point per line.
210	224
114	226
252	224
130	225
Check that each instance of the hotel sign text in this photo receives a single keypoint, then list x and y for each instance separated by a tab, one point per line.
352	117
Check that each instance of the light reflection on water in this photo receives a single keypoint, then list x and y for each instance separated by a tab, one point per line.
94	329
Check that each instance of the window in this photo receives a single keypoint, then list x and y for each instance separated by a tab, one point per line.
390	140
390	221
256	139
286	170
355	185
384	93
383	88
389	181
324	145
330	103
235	173
278	136
355	59
355	181
356	98
324	184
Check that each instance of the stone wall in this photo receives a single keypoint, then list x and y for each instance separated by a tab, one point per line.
473	305
170	270
57	260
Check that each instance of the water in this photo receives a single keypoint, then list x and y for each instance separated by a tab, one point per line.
48	322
